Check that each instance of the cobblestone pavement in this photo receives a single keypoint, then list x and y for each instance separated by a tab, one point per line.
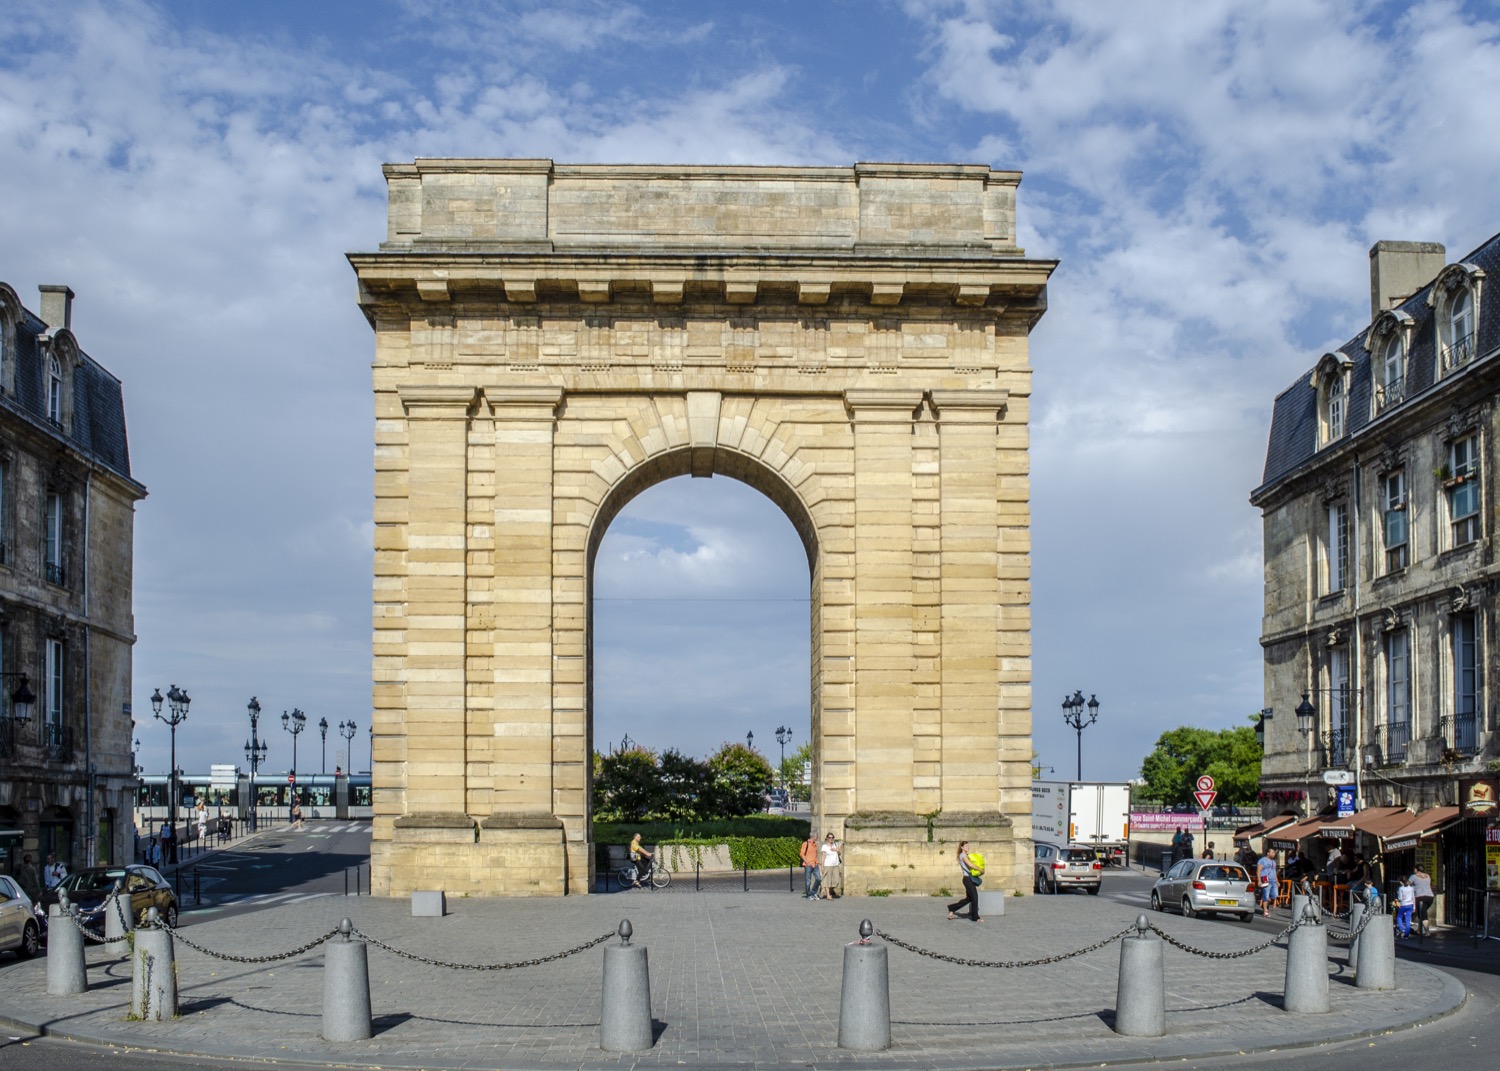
737	981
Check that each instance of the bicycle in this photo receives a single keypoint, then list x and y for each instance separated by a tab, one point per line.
656	876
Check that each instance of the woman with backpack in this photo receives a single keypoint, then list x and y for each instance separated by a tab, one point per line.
971	866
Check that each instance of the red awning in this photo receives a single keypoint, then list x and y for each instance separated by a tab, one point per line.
1293	835
1270	825
1377	821
1427	824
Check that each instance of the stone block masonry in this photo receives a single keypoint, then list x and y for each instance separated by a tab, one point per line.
551	340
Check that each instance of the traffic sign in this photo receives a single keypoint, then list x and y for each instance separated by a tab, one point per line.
1205	794
1338	777
1205	783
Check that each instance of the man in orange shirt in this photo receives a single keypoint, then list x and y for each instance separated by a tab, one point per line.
812	878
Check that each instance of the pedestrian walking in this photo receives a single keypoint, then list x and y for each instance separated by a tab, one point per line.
53	872
830	866
28	879
1421	887
296	813
1266	872
1208	850
812	880
1406	903
168	839
971	870
200	816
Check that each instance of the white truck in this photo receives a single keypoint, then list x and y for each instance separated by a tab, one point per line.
1095	813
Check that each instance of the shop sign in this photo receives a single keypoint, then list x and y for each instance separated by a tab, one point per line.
1345	794
1164	822
1479	798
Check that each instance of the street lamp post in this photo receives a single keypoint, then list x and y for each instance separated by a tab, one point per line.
323	728
1073	715
255	754
177	707
750	740
347	729
20	711
294	723
783	736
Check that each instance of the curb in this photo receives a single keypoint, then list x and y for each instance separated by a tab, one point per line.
1119	1050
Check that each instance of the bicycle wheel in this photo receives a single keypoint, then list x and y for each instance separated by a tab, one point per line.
625	877
661	878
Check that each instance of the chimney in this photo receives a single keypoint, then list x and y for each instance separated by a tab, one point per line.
1399	269
57	306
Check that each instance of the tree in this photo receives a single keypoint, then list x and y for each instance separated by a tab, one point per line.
627	785
739	779
791	773
681	779
1230	756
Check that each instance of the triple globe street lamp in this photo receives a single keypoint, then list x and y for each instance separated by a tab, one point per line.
177	706
347	729
1073	714
294	723
255	754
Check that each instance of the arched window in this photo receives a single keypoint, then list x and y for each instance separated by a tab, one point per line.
1392	387
1334	407
1454	299
54	390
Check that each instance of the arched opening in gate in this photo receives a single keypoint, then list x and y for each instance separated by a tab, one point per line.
703	614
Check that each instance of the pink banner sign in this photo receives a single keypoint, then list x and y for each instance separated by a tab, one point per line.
1164	822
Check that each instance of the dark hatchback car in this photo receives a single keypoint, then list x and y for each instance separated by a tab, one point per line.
88	889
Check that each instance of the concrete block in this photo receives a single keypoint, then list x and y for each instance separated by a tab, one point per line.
429	904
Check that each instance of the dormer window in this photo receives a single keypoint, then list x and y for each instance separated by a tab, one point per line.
54	390
1454	298
1331	378
1392	387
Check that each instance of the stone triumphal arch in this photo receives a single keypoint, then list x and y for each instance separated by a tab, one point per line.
550	340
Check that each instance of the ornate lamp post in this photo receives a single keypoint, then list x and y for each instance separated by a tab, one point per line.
1073	714
294	723
20	711
750	740
323	728
347	729
255	754
783	736
177	707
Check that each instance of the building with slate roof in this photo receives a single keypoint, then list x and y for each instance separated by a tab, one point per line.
67	518
1380	528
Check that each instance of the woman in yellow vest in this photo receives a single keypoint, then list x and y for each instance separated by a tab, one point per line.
971	867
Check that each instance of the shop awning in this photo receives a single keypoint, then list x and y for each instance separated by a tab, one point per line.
1260	829
1293	835
1376	821
1427	824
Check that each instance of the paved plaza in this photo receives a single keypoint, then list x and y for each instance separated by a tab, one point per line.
737	980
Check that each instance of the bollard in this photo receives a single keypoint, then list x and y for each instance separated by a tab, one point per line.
346	988
153	972
1299	902
1141	994
865	1001
1306	988
119	918
1377	953
1356	913
65	963
625	1015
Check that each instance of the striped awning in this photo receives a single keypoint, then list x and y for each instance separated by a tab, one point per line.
1427	824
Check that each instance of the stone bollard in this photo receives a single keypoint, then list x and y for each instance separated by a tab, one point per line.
66	973
1299	903
1377	953
346	988
119	916
1141	994
153	972
1356	913
865	1001
625	1018
1306	989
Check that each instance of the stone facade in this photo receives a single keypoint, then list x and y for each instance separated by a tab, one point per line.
551	340
1381	570
67	519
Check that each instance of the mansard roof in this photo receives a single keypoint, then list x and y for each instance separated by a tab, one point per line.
97	428
1293	440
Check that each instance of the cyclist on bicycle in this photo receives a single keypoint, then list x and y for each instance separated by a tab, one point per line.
637	853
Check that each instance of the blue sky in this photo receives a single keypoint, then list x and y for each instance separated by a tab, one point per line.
1210	174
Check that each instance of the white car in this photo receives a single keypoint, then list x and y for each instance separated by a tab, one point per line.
19	930
1206	886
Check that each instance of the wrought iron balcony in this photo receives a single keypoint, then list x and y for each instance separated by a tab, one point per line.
1459	353
1389	394
54	574
1334	747
58	742
1394	738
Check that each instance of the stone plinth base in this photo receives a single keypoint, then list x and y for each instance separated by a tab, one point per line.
908	854
503	855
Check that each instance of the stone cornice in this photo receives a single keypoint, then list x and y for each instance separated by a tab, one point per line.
436	401
978	406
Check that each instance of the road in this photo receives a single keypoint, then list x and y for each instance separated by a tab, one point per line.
278	866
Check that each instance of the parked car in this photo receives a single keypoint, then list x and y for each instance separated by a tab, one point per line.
20	932
1073	867
89	887
1206	886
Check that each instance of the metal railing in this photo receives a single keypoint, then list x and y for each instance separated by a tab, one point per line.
54	574
1389	394
1335	746
58	742
1397	738
1458	353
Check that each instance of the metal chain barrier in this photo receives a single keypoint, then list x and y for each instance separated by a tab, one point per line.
274	958
1206	954
88	934
480	966
960	961
1363	922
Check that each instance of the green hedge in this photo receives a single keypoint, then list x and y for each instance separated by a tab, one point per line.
751	853
717	831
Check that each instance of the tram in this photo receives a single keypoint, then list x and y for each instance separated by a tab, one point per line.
321	796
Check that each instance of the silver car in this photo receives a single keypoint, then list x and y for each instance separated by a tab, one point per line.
1073	867
19	930
1206	886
